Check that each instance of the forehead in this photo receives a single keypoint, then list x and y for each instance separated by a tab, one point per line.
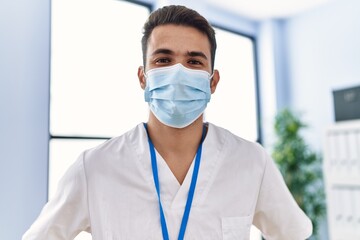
178	38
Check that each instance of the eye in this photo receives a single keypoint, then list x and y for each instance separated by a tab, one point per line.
162	61
195	62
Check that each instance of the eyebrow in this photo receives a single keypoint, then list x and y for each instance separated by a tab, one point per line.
197	54
163	51
170	52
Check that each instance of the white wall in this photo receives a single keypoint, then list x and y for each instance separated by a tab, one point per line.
24	97
313	54
323	54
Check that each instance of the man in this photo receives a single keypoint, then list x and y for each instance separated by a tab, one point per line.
174	177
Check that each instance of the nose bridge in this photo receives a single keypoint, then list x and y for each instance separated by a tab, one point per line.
180	58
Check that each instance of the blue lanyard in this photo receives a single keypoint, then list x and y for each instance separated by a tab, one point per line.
191	189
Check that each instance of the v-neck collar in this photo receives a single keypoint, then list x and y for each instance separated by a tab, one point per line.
174	195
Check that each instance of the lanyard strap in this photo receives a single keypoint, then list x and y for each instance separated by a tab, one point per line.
191	189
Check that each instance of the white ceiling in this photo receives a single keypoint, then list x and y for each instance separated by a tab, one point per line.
262	9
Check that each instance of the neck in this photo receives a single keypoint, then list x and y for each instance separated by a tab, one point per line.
169	139
178	147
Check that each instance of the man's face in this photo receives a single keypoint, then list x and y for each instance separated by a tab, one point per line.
171	44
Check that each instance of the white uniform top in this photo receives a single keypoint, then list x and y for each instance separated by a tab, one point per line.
109	191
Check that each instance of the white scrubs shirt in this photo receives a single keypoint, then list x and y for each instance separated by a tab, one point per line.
109	191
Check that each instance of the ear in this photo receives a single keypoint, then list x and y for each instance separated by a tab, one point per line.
214	81
141	77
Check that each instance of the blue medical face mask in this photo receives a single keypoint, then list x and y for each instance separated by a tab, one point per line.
177	95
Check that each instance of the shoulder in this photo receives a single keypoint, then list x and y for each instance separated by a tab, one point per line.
118	142
237	152
117	148
235	142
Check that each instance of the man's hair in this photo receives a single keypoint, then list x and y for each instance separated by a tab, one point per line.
178	15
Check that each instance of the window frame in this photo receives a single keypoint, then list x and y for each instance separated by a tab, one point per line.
150	8
253	39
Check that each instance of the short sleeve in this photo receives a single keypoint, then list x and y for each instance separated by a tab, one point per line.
277	214
66	214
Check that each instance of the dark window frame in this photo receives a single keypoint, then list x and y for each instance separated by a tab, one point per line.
76	137
256	74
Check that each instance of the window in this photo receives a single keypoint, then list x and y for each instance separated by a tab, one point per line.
234	104
95	53
95	94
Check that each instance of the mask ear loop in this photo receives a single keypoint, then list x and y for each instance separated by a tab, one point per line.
211	76
145	75
146	78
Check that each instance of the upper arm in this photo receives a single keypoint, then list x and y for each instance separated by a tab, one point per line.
66	214
277	214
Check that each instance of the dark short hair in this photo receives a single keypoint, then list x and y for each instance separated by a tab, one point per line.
178	15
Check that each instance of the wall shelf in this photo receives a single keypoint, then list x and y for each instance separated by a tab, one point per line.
341	167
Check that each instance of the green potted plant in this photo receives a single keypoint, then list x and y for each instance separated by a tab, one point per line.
300	166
